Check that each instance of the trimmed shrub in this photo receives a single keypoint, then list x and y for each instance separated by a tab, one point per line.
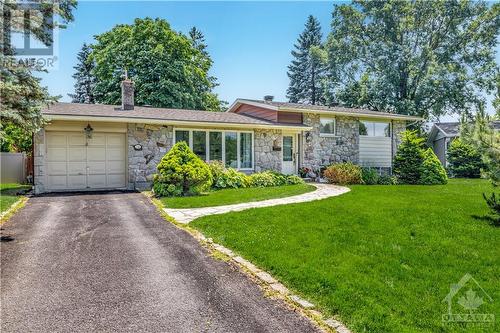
432	172
181	172
409	158
344	174
370	176
464	160
387	180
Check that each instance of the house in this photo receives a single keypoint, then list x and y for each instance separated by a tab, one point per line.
95	146
442	134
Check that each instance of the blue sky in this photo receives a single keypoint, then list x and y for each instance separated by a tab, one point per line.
250	42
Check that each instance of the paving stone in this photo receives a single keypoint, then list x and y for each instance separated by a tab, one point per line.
247	264
266	277
280	288
302	302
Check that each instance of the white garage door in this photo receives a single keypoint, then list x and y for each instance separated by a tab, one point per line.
75	162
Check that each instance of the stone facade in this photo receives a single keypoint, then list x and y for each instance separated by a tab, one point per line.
39	162
146	146
320	151
398	127
266	158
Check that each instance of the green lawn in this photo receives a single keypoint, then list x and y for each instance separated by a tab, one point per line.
380	258
8	195
234	196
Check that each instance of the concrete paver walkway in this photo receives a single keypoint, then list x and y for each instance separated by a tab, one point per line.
322	191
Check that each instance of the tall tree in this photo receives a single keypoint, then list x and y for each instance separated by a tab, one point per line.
424	58
85	79
21	95
167	68
306	71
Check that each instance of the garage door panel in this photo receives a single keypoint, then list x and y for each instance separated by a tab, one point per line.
77	154
77	181
96	167
54	140
56	168
116	154
56	154
96	181
116	140
96	154
97	140
57	182
77	168
115	167
116	180
76	139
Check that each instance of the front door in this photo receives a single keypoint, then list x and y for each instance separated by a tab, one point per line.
289	154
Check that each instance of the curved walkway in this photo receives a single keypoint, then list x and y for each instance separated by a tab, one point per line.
322	191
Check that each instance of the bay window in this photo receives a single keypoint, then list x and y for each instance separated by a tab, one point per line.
233	148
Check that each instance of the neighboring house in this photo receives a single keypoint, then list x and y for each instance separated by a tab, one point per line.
95	146
441	136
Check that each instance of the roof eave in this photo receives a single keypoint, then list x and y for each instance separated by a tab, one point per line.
353	114
241	101
153	121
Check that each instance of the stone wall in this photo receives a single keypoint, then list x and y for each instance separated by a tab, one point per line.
320	151
39	162
155	141
398	127
265	157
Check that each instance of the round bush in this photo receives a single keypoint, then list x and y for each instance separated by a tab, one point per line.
464	160
433	172
262	179
370	176
181	172
344	174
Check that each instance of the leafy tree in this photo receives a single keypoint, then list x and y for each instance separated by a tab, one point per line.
168	68
424	58
486	140
181	172
409	158
15	139
22	97
464	161
433	172
85	79
306	72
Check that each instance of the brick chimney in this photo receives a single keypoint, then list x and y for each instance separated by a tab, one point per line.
268	98
127	94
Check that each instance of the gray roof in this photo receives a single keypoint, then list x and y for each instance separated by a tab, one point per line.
152	113
452	129
323	108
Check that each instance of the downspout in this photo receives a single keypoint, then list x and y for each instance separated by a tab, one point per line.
392	145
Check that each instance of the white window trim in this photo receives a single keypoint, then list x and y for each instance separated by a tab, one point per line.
207	146
328	135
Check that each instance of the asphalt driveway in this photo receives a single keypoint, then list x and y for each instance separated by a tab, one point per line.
109	262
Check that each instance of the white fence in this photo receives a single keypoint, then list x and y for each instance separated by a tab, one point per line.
13	167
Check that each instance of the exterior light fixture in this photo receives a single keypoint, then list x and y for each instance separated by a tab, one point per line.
88	131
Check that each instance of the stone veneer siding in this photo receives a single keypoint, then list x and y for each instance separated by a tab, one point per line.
39	161
398	127
320	151
156	141
265	157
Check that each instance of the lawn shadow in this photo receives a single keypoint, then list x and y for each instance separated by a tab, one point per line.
494	221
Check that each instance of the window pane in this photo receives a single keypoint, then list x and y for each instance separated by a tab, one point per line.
215	145
381	129
200	144
231	150
327	126
363	128
246	150
182	136
287	148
